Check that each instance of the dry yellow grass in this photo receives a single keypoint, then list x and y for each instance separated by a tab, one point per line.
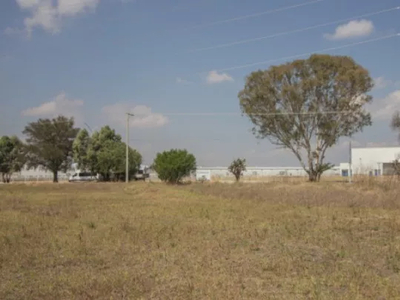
200	241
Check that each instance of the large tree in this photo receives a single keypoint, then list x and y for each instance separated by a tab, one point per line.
49	144
105	153
307	105
12	157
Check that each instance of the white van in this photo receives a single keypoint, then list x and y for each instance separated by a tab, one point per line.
142	173
82	177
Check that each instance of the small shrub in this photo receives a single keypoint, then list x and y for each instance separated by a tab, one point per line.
237	167
174	165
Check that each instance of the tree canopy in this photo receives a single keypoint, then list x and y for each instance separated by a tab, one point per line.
49	144
307	105
80	149
105	153
237	167
395	124
12	157
174	165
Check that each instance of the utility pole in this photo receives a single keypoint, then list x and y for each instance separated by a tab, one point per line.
127	147
350	162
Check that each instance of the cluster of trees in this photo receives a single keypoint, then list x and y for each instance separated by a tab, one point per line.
54	144
305	106
104	153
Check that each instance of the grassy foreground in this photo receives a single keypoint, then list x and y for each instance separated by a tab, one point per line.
151	241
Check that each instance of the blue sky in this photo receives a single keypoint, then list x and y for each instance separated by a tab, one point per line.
96	59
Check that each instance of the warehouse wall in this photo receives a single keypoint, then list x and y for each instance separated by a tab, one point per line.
371	161
222	172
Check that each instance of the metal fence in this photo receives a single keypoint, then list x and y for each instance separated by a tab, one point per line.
37	178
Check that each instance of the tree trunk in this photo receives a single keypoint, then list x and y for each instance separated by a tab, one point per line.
319	176
55	176
237	177
3	178
106	177
312	177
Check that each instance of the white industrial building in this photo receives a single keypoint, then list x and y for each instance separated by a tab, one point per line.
372	161
254	172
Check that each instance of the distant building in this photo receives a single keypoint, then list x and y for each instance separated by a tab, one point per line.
372	161
203	173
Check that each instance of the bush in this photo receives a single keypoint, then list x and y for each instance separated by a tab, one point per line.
172	166
237	167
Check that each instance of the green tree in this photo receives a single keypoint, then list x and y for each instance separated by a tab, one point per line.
112	160
237	167
49	144
100	152
396	122
12	157
307	105
172	166
80	149
105	153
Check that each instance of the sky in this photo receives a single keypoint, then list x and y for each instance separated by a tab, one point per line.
179	65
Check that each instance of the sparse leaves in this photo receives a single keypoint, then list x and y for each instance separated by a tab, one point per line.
237	167
396	167
307	105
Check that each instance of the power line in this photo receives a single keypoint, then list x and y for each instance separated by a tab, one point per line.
179	139
305	54
69	5
254	15
255	114
294	31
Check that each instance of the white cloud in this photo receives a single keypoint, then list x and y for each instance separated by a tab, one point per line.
44	14
384	108
143	115
381	83
74	7
61	105
215	77
351	30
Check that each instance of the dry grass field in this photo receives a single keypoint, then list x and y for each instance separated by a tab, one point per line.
200	241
